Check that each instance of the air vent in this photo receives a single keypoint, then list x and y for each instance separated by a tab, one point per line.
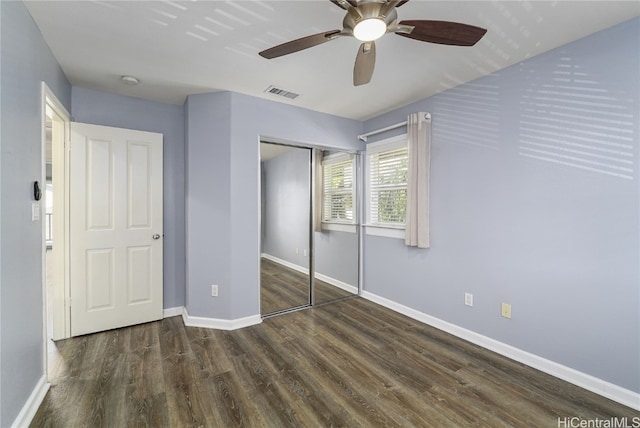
281	92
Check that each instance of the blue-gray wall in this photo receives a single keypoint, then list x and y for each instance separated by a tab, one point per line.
26	61
336	255
100	108
225	128
286	206
208	166
534	202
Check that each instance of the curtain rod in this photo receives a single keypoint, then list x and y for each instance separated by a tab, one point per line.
363	137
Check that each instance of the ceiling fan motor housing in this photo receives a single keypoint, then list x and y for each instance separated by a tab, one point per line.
368	10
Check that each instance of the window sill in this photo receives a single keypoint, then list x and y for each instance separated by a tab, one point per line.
339	227
385	231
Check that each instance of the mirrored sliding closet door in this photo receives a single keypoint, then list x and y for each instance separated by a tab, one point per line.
309	232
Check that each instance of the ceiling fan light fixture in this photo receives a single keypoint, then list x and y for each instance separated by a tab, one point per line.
130	80
369	29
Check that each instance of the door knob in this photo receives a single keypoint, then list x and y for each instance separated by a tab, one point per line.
156	236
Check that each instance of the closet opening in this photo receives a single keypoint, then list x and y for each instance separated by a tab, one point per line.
309	228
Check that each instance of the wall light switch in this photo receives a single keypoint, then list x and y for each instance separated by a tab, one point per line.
35	211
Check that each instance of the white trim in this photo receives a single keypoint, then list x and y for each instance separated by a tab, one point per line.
339	227
601	387
61	313
386	232
337	283
304	144
322	277
283	262
32	404
219	324
172	312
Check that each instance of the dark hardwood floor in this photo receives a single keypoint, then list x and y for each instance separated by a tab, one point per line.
347	364
284	288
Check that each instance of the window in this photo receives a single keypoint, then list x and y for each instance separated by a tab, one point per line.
387	163
338	205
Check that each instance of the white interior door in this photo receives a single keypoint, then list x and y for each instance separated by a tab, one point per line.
116	227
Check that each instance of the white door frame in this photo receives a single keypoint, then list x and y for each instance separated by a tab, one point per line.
60	227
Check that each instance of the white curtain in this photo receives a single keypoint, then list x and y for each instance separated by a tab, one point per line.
419	145
318	197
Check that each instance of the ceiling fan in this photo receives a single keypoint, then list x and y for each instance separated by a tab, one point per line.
367	21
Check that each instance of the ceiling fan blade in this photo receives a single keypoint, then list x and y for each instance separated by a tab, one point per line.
365	64
345	3
298	44
401	3
443	32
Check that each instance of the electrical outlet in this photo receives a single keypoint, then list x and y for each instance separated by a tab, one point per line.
468	299
297	251
214	290
305	253
505	310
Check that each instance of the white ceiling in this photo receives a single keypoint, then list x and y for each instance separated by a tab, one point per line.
177	48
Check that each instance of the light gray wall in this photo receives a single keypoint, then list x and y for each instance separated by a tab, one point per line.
100	108
287	206
226	128
556	235
26	62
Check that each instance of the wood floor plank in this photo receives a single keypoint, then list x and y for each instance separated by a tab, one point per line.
297	387
347	364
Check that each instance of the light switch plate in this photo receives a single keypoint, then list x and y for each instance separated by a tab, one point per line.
35	211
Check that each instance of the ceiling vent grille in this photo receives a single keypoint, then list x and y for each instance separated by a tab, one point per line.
281	92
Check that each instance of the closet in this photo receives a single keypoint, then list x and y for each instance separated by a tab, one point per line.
309	243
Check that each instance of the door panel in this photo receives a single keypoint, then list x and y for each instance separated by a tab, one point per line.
140	186
99	172
139	265
116	223
99	281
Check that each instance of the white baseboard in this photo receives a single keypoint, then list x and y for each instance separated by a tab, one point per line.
219	324
601	387
30	408
286	263
335	282
172	312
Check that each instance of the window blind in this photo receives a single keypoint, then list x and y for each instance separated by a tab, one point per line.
338	188
388	186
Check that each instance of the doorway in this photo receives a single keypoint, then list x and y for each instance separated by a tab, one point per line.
55	135
309	243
